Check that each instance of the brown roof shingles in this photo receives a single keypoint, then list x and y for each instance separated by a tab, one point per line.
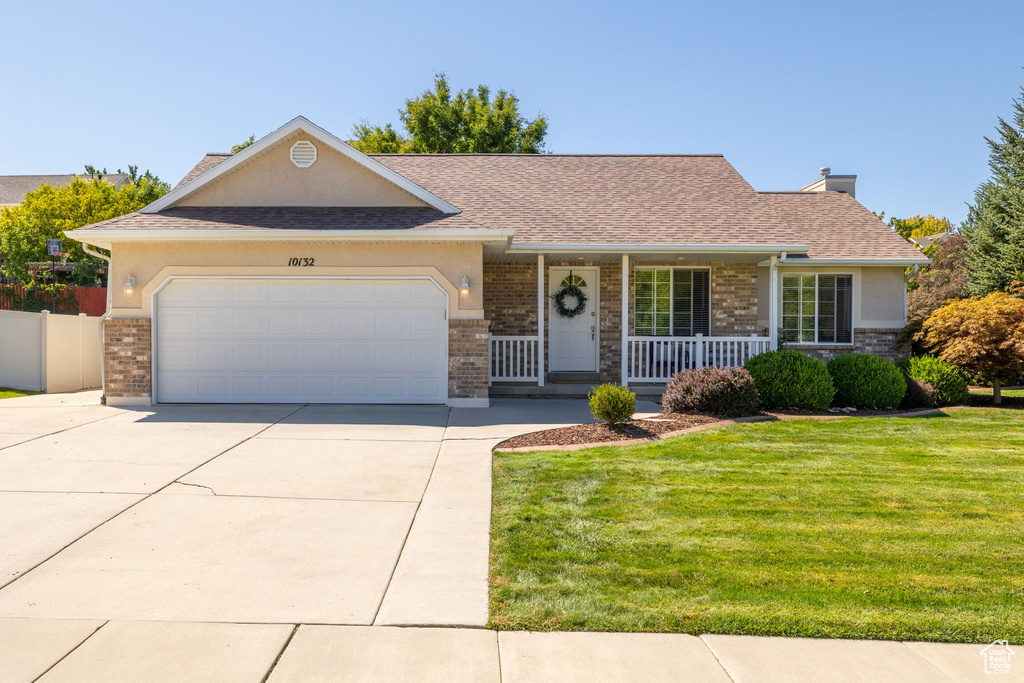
835	225
578	199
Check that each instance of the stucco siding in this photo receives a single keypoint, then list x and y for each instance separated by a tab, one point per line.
273	180
151	263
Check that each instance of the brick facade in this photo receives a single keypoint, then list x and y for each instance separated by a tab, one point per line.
878	341
510	302
734	300
127	365
467	359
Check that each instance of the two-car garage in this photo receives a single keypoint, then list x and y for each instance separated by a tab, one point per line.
300	340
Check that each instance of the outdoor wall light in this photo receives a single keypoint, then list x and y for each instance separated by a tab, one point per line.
464	289
129	285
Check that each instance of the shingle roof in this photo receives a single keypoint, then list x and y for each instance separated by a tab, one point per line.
13	188
835	225
579	199
600	199
205	164
287	218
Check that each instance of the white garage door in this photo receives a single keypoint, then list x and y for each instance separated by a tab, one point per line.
301	341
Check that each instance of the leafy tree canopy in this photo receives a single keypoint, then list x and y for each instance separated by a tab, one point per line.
920	226
47	212
983	335
995	222
235	149
470	121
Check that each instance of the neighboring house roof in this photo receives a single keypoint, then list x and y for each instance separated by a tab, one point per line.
834	225
13	188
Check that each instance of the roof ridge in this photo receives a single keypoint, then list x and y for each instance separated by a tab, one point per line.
539	156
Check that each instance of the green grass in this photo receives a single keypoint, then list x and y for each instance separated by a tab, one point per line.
858	528
15	393
1018	393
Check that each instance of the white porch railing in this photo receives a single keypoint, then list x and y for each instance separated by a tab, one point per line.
513	359
658	359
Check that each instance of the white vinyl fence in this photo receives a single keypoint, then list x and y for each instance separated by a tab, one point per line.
47	352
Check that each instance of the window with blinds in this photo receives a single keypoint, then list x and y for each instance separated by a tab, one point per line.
817	308
671	302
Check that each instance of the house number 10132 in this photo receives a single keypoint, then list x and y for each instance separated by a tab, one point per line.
300	262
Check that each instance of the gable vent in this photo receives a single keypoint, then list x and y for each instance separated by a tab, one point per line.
303	154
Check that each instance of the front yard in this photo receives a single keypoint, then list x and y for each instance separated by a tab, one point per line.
15	393
854	528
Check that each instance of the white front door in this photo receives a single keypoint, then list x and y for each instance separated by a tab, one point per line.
573	341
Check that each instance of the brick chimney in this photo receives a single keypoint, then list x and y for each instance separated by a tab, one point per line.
832	183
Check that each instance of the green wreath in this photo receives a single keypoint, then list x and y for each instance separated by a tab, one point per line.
569	291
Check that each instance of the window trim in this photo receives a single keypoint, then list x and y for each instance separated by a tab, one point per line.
671	301
817	298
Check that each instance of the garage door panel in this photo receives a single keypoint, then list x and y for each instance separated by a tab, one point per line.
243	341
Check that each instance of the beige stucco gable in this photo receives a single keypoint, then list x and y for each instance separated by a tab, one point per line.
273	180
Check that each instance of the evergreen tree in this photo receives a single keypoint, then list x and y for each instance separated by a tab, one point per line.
995	222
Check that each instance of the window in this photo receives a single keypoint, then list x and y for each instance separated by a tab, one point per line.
817	309
671	302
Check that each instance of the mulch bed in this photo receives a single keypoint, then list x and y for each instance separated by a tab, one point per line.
599	432
665	423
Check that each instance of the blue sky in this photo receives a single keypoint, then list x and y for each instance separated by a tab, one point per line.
899	93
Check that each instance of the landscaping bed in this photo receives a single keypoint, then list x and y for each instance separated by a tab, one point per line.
903	529
599	432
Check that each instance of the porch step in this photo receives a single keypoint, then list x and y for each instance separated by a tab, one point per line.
565	390
574	378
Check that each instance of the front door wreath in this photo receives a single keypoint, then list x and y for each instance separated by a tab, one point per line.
570	292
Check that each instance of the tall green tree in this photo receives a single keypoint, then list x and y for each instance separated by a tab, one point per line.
49	211
995	222
470	121
235	149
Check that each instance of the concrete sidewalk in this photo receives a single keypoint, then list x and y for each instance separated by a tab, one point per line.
157	652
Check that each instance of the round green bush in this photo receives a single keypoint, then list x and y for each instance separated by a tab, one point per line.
727	392
612	403
788	379
866	381
948	381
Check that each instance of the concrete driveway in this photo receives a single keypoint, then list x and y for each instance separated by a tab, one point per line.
274	514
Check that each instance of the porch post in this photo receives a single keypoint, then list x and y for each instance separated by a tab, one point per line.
625	320
773	304
541	305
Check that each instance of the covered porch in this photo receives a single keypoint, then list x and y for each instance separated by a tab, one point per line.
646	316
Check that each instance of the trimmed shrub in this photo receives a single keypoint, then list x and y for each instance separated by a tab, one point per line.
919	394
728	392
948	381
788	379
612	403
863	380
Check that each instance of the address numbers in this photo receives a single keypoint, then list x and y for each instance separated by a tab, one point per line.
301	262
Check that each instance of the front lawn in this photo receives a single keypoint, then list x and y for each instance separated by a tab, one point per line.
1014	393
855	528
15	393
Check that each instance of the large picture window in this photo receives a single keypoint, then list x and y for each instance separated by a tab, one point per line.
671	302
817	309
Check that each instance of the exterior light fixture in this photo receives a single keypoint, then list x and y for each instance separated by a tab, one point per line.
464	289
129	285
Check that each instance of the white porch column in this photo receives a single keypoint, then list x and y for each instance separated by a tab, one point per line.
542	304
625	320
773	304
